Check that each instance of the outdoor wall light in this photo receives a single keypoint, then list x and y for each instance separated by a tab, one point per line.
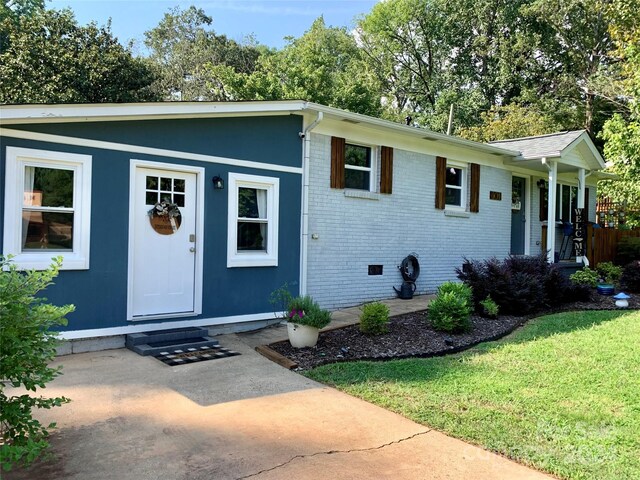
218	183
541	183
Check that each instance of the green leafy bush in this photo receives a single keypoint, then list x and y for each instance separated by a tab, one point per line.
628	250
27	345
609	272
630	279
586	276
490	308
305	311
451	309
374	319
459	289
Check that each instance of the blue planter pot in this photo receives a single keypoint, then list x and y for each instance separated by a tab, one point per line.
605	289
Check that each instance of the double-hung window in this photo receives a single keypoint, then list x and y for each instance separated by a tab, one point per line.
566	202
455	191
357	167
253	221
47	208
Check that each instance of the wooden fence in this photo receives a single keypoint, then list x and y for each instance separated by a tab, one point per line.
602	243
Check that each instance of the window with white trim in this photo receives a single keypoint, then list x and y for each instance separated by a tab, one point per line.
47	208
455	187
252	239
566	202
358	169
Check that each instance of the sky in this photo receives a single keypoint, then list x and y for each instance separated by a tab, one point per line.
269	20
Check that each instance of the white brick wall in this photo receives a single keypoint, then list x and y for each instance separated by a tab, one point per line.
354	232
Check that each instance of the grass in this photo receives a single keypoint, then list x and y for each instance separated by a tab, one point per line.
561	394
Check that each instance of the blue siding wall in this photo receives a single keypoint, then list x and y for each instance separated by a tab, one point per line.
271	139
100	293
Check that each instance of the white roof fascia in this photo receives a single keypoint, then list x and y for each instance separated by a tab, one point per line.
584	137
15	114
409	130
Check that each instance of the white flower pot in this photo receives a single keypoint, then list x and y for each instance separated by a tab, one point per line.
301	336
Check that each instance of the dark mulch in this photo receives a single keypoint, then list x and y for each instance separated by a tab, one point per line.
411	336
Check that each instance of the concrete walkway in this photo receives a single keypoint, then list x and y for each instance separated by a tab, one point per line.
134	418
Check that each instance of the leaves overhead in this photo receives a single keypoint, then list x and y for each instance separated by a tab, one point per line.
49	58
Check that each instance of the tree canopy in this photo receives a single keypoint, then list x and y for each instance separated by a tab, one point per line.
48	58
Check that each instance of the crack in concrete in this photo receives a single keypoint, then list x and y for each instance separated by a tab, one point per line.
331	452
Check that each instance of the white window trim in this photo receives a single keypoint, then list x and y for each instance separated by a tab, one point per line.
462	187
253	259
372	168
16	160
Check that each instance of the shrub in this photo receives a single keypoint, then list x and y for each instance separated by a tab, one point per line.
586	276
27	345
459	289
518	285
374	319
630	278
609	272
305	311
628	250
450	310
490	308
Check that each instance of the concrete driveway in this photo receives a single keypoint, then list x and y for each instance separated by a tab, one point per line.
240	417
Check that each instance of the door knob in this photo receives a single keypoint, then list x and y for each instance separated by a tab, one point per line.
192	249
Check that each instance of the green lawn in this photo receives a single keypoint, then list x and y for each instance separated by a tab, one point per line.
561	394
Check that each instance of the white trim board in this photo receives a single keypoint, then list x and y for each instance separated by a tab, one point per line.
150	327
160	152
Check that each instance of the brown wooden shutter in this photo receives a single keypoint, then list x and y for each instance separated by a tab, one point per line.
474	205
441	179
586	204
386	170
544	205
337	162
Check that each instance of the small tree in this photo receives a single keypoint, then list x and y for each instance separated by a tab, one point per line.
27	345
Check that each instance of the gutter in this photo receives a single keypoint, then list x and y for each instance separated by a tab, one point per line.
305	135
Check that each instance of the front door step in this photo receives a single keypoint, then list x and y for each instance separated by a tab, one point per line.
152	343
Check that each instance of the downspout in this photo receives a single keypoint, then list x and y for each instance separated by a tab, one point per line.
304	221
551	208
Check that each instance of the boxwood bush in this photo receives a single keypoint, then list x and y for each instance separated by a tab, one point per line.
451	309
374	319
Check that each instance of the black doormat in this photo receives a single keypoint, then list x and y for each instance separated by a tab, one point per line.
184	356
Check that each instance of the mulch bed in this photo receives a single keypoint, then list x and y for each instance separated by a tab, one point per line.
411	336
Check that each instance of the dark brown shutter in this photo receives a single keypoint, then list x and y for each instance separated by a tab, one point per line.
441	179
586	204
337	162
544	204
474	205
386	170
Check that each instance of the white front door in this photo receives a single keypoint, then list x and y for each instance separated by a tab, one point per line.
163	249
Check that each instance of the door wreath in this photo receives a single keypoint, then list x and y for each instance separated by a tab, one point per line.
165	217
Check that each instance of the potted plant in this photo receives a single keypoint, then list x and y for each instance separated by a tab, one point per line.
304	320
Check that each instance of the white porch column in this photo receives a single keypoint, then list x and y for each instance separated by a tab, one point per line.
551	208
582	187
